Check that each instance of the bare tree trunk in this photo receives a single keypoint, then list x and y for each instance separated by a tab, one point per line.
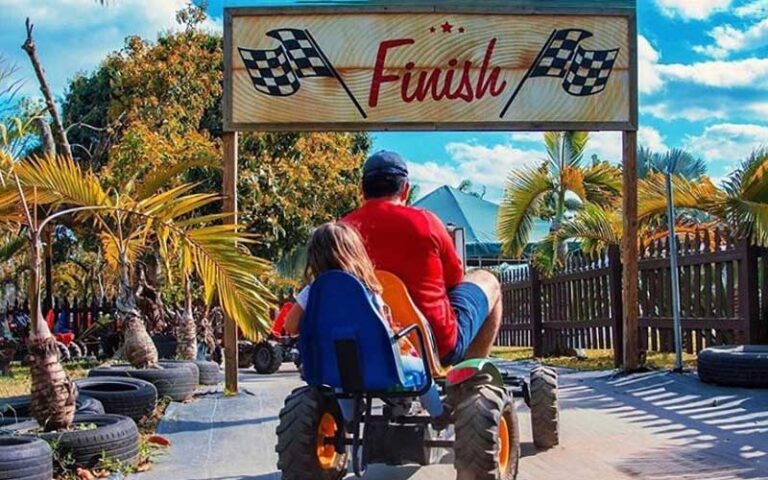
187	335
59	134
53	394
138	347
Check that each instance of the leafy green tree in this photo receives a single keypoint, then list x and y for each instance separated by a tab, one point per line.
686	165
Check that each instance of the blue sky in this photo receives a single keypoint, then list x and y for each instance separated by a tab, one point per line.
703	81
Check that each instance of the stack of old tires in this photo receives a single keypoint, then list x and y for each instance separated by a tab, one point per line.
25	451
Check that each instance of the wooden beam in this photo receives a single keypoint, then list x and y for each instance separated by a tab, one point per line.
229	187
629	253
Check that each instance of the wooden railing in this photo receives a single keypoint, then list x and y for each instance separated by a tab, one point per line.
723	292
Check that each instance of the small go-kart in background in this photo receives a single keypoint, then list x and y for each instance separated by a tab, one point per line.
278	348
364	403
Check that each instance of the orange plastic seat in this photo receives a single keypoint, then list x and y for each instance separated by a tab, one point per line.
405	313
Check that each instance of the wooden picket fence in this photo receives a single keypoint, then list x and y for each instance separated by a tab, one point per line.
723	292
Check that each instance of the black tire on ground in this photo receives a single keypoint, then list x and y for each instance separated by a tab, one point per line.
480	413
178	384
130	397
115	438
64	355
735	365
75	352
267	357
545	409
244	354
297	437
18	407
88	405
190	364
25	458
209	372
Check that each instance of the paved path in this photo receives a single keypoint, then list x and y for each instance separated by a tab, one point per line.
654	426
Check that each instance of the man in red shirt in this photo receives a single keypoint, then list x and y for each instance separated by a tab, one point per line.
464	311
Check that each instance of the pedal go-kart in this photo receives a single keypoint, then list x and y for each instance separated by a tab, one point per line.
278	348
409	411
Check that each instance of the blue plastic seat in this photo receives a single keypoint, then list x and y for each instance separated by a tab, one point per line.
345	343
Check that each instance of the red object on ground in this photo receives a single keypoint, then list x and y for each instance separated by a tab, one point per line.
65	338
414	245
282	315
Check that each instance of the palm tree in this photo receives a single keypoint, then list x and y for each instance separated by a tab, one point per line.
560	184
229	273
686	165
745	202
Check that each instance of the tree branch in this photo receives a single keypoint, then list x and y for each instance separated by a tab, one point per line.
60	136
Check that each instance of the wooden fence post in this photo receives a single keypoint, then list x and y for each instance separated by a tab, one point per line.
617	311
749	306
229	181
629	251
536	320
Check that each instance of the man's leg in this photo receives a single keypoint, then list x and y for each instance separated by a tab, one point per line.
481	346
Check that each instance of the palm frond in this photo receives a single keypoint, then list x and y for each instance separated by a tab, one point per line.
523	196
701	195
153	182
602	183
593	227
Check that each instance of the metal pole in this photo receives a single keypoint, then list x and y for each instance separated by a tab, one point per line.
674	274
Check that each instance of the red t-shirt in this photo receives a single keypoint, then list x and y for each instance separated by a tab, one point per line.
414	245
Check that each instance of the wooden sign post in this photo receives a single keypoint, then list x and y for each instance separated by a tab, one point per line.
517	65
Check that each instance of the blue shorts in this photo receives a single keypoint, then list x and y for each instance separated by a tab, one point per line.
470	304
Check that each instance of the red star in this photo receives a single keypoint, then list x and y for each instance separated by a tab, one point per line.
433	30
447	27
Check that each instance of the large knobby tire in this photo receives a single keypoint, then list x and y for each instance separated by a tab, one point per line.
131	397
487	445
307	418
735	365
267	357
545	409
244	354
210	374
25	458
178	384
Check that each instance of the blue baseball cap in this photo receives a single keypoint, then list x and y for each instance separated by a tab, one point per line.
385	163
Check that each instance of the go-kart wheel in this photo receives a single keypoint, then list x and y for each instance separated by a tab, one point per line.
310	437
545	411
267	357
487	445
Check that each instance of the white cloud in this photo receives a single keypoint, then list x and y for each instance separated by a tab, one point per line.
486	166
755	8
75	35
692	9
664	111
729	39
647	59
651	138
750	72
727	142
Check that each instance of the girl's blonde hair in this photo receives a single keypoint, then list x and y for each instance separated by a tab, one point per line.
337	246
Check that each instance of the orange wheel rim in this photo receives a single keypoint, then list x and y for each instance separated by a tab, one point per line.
326	433
503	445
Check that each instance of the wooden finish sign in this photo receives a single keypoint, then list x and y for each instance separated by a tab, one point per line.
346	69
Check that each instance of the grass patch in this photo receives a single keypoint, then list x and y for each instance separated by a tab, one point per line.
596	359
19	381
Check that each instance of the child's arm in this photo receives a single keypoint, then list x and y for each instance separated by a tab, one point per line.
293	320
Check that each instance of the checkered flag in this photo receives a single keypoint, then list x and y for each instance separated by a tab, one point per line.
277	72
558	52
584	72
270	71
589	72
307	59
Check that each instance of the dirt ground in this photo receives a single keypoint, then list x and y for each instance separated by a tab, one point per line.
647	426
